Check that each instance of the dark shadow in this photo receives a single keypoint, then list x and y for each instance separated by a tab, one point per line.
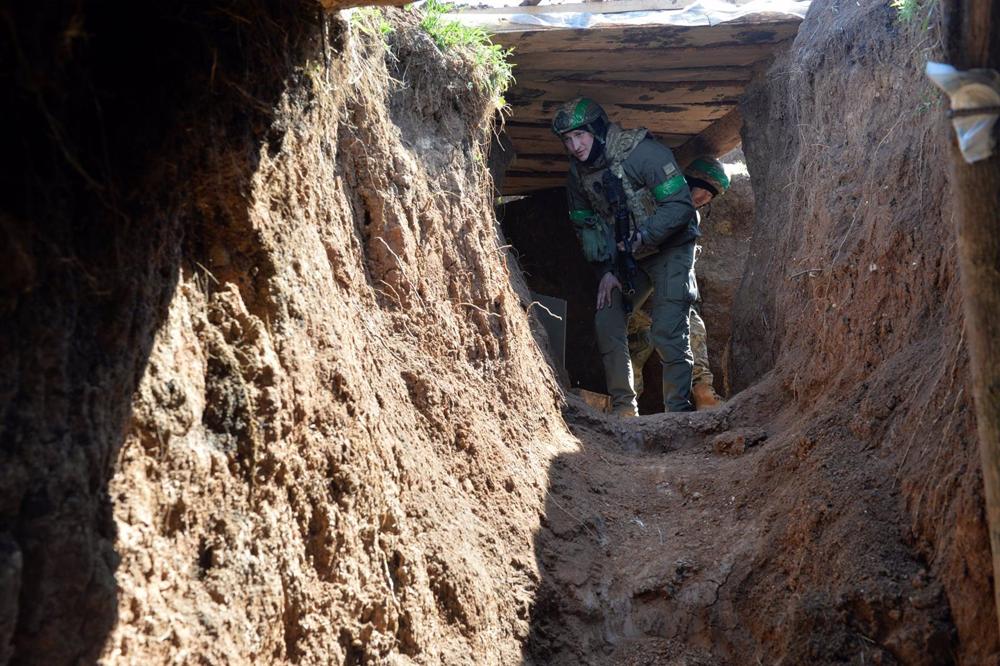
538	228
117	116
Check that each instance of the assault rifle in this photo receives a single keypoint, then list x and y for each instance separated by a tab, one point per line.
614	191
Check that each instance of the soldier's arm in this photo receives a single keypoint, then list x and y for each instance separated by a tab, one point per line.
653	164
580	215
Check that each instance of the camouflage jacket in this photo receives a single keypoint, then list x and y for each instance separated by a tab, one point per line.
659	200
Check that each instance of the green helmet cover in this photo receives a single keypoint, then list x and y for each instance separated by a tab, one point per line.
577	113
708	170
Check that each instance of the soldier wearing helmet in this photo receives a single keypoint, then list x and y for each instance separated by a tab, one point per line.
707	179
663	229
706	176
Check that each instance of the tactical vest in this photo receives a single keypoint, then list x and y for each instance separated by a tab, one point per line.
619	145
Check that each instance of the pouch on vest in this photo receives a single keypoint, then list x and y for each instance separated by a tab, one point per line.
593	238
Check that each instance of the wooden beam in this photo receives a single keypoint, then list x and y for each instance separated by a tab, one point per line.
631	59
674	119
539	140
522	184
721	136
972	32
541	163
528	150
546	108
686	127
647	37
682	74
617	6
628	92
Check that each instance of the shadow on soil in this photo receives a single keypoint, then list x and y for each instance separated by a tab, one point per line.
113	137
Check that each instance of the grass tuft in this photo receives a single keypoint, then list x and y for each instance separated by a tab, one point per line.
907	11
494	71
372	22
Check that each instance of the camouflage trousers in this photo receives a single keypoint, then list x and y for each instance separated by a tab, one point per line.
640	348
665	281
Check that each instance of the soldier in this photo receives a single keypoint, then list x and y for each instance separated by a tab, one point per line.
706	177
662	230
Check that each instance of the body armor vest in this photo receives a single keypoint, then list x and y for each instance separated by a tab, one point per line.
619	145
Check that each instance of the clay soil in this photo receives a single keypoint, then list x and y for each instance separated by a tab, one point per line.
273	390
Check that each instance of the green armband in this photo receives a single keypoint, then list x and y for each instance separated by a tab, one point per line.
669	188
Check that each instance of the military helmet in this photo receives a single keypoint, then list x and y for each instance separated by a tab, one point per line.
708	173
579	113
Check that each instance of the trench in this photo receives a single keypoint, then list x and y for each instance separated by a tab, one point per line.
640	509
656	529
671	540
274	389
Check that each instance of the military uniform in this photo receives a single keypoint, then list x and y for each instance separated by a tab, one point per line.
661	210
709	174
640	348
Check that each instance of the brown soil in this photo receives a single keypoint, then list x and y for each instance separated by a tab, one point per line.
272	391
668	544
340	463
872	342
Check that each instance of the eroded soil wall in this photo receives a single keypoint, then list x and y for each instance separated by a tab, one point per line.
269	392
269	389
851	294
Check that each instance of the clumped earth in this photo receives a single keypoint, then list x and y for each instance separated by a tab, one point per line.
272	390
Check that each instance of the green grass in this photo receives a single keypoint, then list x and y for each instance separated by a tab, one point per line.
909	10
372	22
495	72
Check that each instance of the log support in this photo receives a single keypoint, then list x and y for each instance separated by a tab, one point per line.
972	33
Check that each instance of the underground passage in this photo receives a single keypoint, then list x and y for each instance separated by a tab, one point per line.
301	347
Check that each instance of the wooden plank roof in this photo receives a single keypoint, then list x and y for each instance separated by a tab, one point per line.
675	80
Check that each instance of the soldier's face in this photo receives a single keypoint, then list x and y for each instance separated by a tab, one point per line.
578	143
700	196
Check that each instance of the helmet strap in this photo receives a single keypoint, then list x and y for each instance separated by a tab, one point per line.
596	150
599	128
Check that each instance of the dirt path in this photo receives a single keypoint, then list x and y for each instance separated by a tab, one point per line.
678	539
640	541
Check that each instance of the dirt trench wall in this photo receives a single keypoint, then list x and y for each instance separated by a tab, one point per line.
851	295
279	400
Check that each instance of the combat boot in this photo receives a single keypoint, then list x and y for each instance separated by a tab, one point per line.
704	396
627	412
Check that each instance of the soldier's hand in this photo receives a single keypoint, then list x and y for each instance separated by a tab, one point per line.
608	284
